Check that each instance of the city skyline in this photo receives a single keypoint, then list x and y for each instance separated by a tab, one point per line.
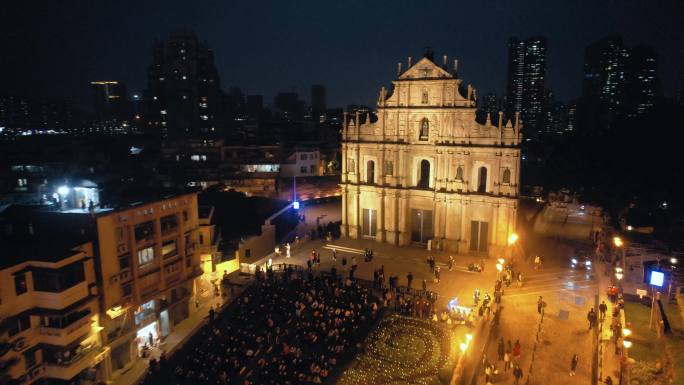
60	61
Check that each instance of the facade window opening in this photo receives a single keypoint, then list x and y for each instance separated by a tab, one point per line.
482	180
424	129
459	173
370	172
506	176
425	98
389	167
424	174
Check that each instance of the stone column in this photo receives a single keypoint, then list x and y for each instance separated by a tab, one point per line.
345	218
380	236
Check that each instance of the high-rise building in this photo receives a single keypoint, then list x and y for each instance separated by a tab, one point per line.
618	82
604	73
255	106
642	86
489	107
516	66
426	172
109	99
183	96
526	81
288	106
571	116
318	105
533	83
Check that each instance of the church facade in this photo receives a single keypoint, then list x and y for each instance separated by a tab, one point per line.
426	172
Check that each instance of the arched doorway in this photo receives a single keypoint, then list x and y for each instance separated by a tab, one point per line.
424	174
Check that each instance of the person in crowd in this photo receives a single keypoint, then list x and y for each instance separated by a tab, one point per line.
292	329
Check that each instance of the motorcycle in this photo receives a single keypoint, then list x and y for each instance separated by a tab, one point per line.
475	267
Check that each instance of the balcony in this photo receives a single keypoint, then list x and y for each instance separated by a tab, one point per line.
63	299
68	369
64	336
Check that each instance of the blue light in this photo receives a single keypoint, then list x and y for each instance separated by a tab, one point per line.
295	205
657	278
453	304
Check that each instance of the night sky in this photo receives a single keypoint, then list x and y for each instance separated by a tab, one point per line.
52	49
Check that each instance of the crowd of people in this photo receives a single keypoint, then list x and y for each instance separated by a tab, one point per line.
290	328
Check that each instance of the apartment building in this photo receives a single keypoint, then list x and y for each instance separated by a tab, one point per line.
145	269
49	305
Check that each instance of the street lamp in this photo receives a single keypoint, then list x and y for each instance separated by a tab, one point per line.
513	238
617	241
63	190
627	344
626	332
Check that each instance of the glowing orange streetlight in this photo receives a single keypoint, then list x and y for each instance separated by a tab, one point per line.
512	238
617	241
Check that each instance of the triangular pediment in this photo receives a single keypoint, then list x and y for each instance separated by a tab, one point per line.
425	69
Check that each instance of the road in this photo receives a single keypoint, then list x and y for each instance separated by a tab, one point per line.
569	294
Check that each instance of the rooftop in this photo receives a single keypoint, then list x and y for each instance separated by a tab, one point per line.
29	234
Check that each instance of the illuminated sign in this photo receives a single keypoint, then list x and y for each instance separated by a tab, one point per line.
657	278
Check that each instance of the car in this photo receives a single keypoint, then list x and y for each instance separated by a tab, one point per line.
581	262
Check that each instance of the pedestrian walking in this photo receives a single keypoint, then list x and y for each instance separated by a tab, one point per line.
573	364
507	360
591	317
344	261
424	285
476	296
519	279
409	279
540	304
437	274
354	263
488	372
500	349
602	309
517	373
334	255
482	264
517	350
287	250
